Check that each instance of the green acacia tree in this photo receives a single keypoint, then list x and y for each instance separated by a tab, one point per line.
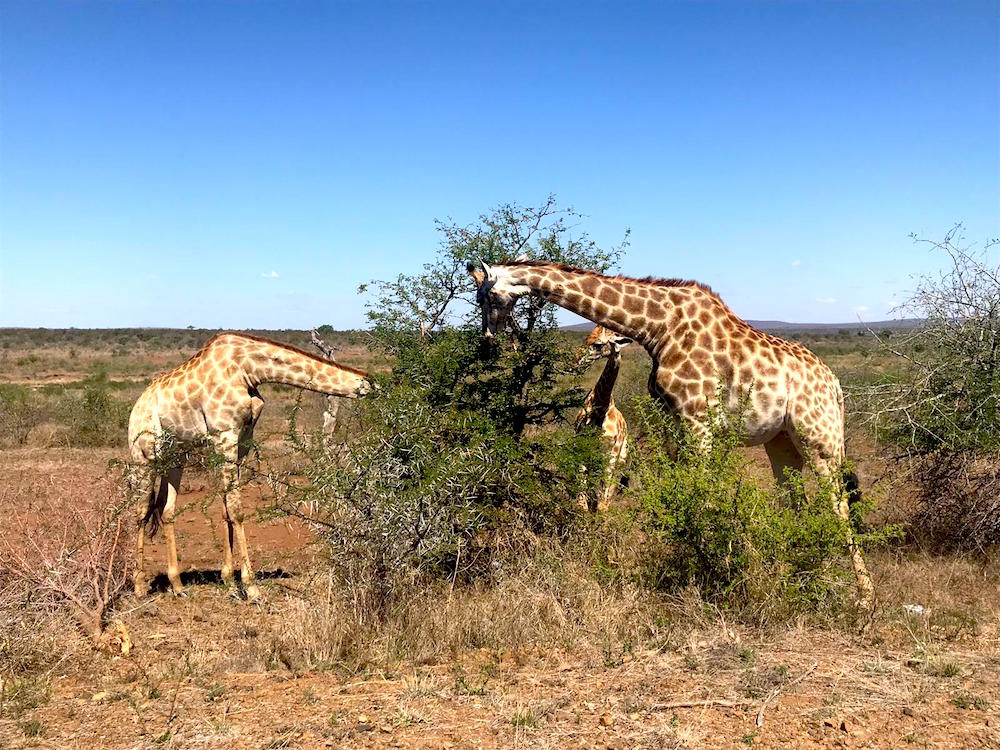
464	452
429	322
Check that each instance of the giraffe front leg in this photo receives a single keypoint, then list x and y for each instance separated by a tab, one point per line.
234	448
173	480
227	559
234	508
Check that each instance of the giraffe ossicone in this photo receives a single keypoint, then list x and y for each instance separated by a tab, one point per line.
213	398
702	352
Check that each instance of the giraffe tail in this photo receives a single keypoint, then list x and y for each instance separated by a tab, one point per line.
852	486
153	519
853	489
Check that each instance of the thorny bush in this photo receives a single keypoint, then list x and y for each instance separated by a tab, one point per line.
943	412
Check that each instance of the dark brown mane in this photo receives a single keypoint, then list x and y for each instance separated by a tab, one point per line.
282	345
651	280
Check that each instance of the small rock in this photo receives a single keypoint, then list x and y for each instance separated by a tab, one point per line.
907	711
634	716
363	719
828	723
606	720
843	726
98	697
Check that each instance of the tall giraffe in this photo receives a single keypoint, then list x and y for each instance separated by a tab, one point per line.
213	397
599	407
701	350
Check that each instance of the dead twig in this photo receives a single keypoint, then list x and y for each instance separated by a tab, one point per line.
703	703
774	693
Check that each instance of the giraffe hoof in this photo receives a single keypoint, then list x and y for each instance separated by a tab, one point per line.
253	593
140	590
180	593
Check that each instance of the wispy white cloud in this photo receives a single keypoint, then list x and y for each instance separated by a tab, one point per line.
826	300
796	263
269	275
861	308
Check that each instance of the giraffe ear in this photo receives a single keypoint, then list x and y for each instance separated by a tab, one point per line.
486	268
622	340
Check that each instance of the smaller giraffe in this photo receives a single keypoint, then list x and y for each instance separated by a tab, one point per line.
599	407
213	397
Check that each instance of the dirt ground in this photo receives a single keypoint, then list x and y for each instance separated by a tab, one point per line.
194	677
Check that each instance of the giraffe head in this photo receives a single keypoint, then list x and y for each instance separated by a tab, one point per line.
353	383
496	292
602	342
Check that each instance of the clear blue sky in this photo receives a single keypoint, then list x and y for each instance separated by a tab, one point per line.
158	161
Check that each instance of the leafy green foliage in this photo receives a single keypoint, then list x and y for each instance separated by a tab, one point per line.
712	524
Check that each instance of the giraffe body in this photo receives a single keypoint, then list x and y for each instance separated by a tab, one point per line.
599	406
702	353
213	398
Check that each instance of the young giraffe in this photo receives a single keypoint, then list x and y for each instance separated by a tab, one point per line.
699	346
599	406
214	397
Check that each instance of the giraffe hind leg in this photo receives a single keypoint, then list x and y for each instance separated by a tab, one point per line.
784	454
866	590
173	482
142	485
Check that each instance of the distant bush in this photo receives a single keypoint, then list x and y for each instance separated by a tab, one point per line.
711	524
94	417
21	410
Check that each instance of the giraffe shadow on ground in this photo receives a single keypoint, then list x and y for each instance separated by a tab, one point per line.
210	577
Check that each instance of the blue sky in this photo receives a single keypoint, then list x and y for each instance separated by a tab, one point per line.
247	164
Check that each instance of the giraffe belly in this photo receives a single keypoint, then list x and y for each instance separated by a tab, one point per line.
185	423
758	433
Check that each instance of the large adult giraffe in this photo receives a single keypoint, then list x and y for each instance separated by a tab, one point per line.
701	350
213	397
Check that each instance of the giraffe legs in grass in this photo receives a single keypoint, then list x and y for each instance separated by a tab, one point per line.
141	484
784	453
234	449
866	590
173	481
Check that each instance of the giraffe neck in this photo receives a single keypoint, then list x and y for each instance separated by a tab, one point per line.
270	362
603	391
642	310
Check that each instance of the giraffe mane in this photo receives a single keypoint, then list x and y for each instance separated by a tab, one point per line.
281	345
650	280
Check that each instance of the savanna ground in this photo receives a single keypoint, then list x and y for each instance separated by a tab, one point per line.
546	657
